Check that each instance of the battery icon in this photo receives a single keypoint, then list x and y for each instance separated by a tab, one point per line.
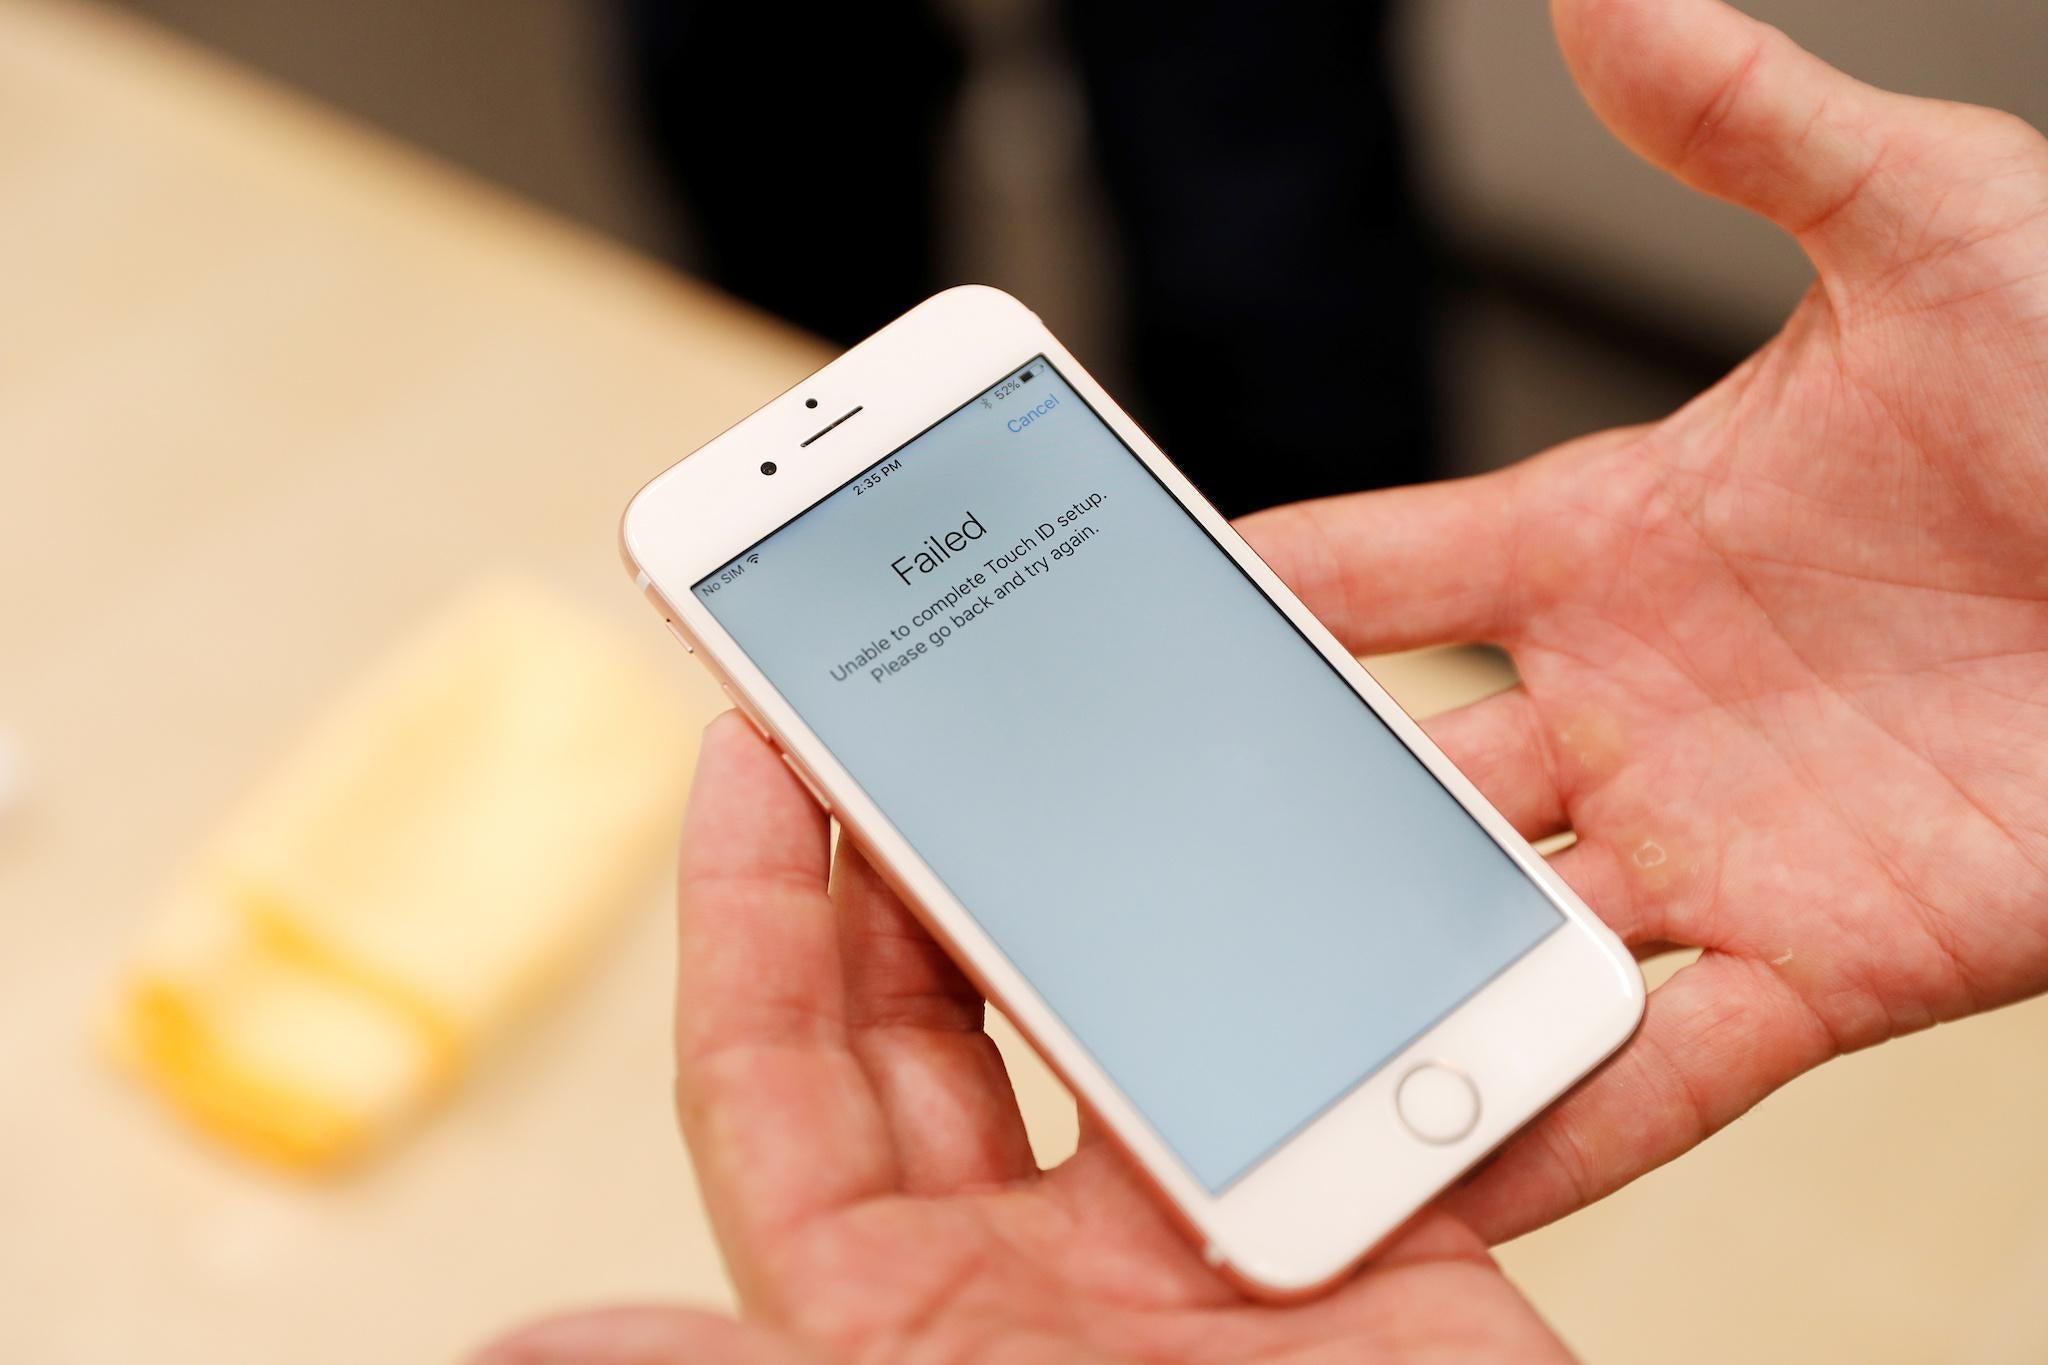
1024	378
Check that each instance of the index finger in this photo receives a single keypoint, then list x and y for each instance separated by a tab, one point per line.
1401	567
781	1120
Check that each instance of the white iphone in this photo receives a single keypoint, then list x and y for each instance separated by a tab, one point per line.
1268	934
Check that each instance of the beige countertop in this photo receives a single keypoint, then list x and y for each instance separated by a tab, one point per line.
270	387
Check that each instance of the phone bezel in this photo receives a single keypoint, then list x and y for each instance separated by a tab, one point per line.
1312	1209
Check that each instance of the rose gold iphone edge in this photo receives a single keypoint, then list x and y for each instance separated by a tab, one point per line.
1341	1178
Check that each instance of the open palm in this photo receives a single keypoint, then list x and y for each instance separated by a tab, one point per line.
1784	665
1784	655
863	1160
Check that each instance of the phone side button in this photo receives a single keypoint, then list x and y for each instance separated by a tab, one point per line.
1438	1103
748	712
810	783
682	636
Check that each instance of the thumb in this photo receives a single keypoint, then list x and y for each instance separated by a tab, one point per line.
1734	108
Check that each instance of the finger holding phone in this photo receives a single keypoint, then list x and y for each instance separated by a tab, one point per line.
1785	658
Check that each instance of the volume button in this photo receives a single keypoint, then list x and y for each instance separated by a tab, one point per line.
810	783
682	636
748	712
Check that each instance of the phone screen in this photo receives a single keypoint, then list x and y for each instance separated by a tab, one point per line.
1212	859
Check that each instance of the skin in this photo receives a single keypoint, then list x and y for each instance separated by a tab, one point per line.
1785	675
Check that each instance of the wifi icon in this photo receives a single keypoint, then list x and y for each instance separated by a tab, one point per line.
753	559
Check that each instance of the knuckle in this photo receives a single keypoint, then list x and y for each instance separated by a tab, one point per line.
2008	130
1999	137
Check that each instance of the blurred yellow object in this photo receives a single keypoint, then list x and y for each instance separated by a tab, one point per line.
448	840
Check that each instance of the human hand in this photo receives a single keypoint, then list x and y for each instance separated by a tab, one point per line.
861	1154
1784	655
1785	674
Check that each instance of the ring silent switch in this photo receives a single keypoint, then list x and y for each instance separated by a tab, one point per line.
1438	1103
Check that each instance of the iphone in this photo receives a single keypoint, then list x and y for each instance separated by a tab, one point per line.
1265	931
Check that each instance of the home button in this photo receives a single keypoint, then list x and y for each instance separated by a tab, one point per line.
1438	1103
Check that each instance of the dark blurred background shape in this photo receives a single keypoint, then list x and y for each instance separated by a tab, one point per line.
1313	246
1272	282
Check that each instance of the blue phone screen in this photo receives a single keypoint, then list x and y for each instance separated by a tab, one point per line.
1212	859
